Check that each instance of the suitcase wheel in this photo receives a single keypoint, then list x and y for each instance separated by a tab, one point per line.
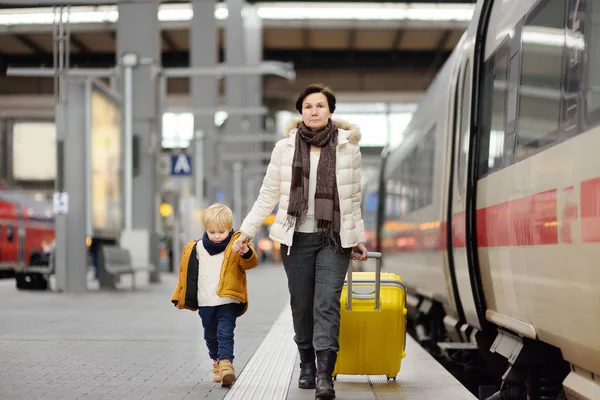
393	378
334	377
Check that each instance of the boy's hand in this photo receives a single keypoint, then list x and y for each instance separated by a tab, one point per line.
240	243
245	248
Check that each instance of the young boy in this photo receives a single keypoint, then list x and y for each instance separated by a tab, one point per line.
220	295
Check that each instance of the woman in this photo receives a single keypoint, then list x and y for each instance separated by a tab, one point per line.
314	174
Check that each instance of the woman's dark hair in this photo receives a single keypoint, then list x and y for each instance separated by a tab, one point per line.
316	88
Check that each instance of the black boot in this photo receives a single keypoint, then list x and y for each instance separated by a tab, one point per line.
308	369
325	366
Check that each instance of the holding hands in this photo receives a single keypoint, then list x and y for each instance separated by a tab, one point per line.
240	245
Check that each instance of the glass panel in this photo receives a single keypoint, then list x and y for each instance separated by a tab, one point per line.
541	77
464	128
491	146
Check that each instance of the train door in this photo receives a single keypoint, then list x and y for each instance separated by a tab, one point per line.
457	201
21	240
8	244
453	100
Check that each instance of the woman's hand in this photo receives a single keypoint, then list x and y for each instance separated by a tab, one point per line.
240	244
360	248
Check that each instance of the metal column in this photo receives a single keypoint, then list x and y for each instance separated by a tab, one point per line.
71	250
253	46
234	56
204	94
253	42
139	46
128	138
237	193
235	96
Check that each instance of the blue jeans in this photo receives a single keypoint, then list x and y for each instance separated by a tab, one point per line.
219	323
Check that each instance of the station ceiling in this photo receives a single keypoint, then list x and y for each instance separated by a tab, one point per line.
358	38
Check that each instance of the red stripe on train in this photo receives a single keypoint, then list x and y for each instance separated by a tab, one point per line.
590	211
527	221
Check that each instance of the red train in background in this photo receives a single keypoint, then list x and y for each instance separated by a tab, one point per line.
26	231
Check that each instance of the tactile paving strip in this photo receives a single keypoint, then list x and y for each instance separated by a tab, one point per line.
421	377
267	374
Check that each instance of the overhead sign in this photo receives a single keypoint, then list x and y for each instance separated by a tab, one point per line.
181	165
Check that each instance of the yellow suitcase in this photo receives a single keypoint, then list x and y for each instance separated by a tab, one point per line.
373	323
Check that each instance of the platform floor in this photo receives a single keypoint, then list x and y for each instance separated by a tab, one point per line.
136	345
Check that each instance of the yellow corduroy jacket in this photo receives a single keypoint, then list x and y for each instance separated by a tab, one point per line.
231	284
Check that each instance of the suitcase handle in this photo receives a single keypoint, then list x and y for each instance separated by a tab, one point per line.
370	254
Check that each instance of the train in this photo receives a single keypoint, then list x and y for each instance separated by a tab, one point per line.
489	206
26	234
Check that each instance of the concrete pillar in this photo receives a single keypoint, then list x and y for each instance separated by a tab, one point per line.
253	46
138	32
234	56
234	95
243	46
71	250
204	90
253	42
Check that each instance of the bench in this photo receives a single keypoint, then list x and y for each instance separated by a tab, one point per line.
113	262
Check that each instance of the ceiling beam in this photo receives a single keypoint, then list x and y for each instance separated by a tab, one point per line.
50	3
79	44
29	43
351	39
169	41
440	50
356	59
443	41
306	44
397	39
306	38
302	59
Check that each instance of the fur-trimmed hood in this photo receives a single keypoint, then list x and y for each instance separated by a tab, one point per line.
354	134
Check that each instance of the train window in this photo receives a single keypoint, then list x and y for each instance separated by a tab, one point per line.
573	67
593	61
410	186
491	145
423	169
543	46
10	234
464	128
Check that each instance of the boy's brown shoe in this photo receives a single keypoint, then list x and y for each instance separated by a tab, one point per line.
216	371
227	373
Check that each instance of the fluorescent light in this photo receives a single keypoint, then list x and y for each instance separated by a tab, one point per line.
367	11
45	16
178	130
172	14
272	11
221	11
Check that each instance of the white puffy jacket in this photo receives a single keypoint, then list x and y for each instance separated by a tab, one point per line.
276	187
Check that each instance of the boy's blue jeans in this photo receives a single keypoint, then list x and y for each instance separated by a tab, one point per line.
219	323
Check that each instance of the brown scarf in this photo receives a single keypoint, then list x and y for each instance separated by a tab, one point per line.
327	201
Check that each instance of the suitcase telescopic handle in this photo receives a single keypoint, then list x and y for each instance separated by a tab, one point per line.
370	254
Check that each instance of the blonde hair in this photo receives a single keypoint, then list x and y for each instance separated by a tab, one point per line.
218	216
